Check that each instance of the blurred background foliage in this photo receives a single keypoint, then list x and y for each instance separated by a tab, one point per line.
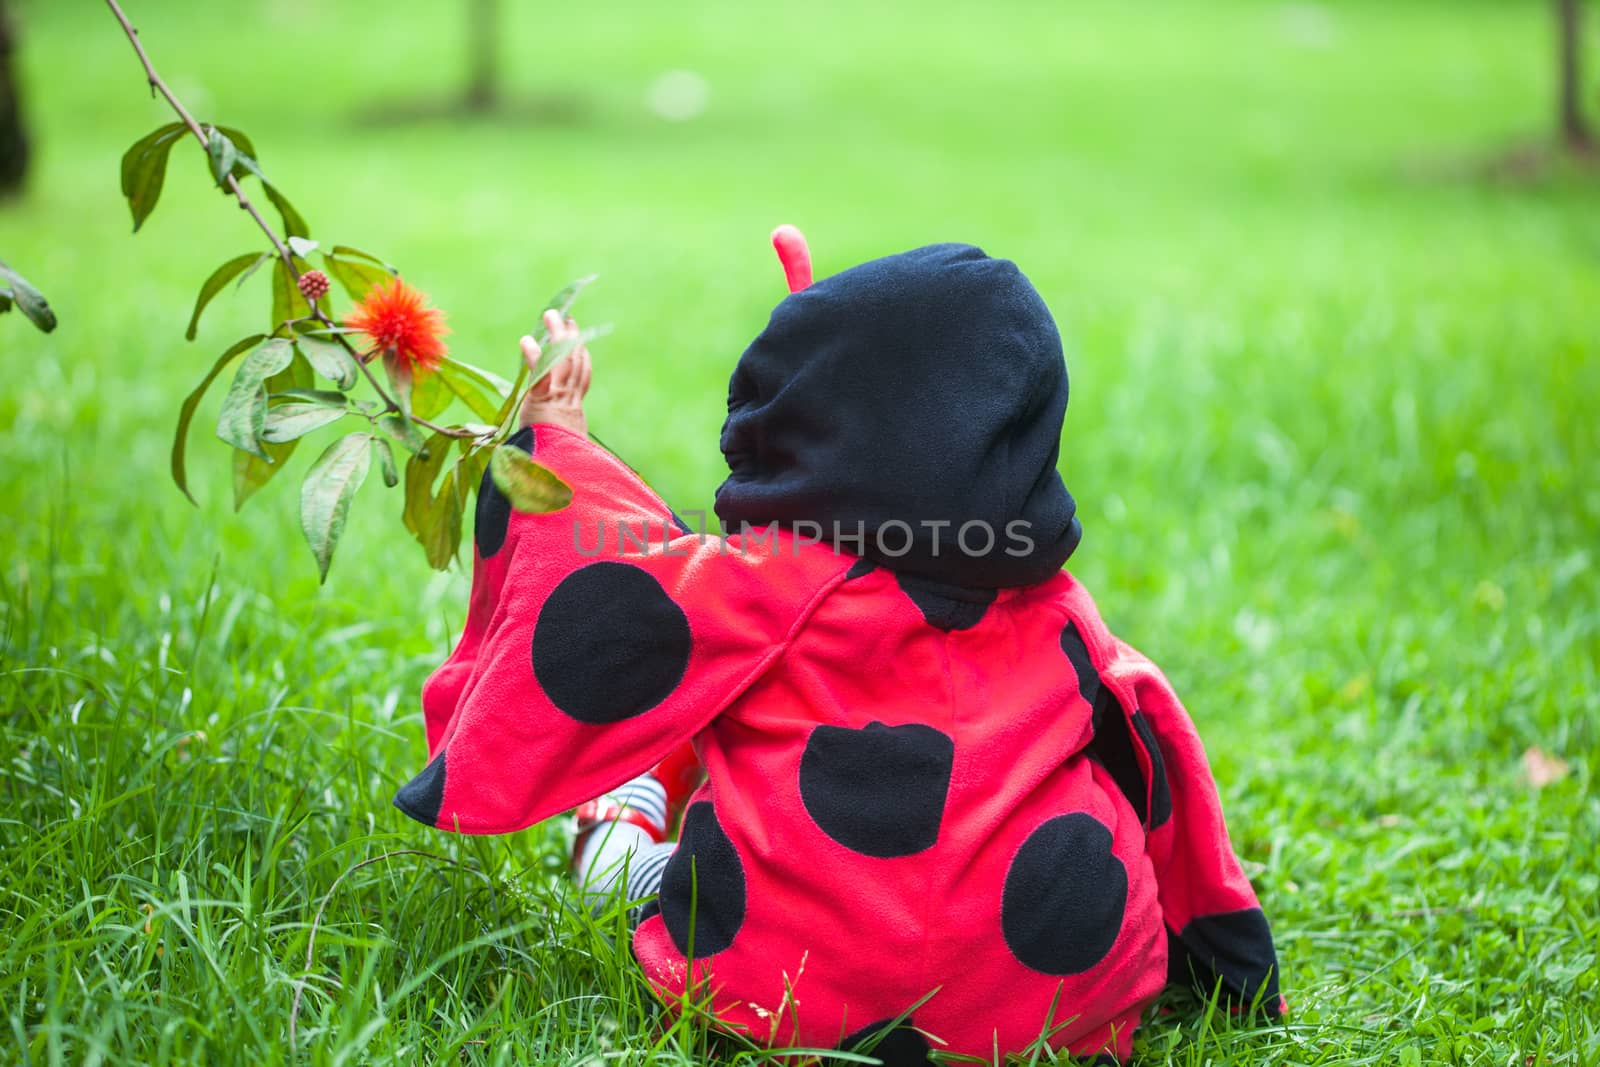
1328	281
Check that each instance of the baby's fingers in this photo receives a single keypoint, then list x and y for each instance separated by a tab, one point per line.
553	325
585	371
540	388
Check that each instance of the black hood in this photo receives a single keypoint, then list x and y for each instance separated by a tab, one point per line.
918	389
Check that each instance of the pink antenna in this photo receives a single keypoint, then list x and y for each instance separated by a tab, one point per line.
790	245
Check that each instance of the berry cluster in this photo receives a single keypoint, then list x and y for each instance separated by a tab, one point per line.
313	285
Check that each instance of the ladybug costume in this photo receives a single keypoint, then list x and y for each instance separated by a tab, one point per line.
934	779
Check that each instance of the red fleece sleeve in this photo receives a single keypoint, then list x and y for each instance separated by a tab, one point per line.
1217	934
598	639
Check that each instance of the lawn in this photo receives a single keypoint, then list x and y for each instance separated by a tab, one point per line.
1333	436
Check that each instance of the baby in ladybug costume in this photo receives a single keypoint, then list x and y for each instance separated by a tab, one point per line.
932	779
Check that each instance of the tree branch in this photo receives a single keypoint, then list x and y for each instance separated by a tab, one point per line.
157	85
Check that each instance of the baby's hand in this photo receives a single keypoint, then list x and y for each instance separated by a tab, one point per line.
557	398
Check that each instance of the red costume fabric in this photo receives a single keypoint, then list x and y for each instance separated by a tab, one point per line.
968	800
1014	817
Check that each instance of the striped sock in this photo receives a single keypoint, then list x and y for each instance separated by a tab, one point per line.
644	795
620	844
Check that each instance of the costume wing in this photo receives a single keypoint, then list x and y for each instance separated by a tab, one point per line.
598	639
1217	933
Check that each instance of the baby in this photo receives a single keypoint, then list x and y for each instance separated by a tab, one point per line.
933	780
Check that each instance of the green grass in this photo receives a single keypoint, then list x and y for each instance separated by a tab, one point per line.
1333	436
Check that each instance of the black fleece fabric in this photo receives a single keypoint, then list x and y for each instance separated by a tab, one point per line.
909	397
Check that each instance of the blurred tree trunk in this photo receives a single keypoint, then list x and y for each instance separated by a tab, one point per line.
483	67
1575	132
13	142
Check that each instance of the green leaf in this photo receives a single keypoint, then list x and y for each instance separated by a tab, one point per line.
391	473
403	430
434	519
430	395
422	470
213	285
230	146
32	302
474	461
192	401
292	421
440	535
325	496
327	398
470	467
294	224
330	360
478	389
224	156
346	252
34	306
247	147
549	354
244	409
358	278
144	169
287	301
529	486
241	161
252	268
561	302
568	295
250	472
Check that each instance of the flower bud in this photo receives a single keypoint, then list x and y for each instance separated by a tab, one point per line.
313	285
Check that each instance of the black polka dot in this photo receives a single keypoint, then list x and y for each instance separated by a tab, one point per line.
1160	790
859	569
902	1046
878	791
1112	748
423	796
946	607
1077	651
702	886
610	643
494	509
1064	897
1231	951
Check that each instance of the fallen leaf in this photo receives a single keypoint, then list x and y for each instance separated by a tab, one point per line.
1539	768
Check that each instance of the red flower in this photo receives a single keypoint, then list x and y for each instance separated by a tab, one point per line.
401	325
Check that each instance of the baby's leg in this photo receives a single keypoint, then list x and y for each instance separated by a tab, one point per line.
622	859
622	845
622	841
